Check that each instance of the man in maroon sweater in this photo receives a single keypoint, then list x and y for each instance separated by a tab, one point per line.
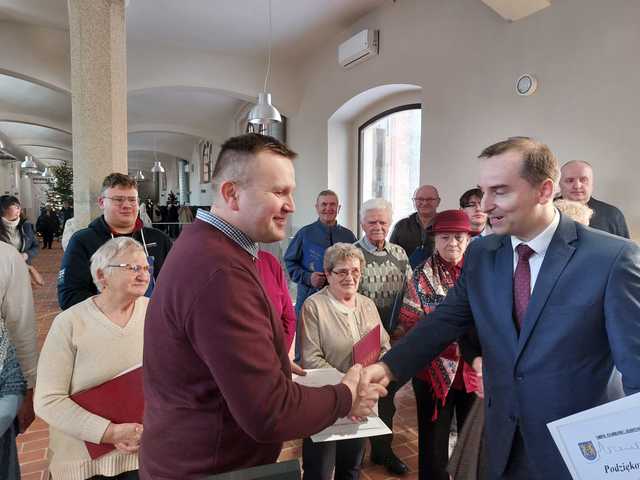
217	378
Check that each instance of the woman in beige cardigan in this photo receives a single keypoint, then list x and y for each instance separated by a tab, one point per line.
333	320
89	344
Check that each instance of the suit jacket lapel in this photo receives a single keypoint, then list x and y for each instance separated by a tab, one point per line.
503	276
558	254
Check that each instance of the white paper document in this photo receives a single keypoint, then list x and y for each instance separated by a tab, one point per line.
602	442
344	428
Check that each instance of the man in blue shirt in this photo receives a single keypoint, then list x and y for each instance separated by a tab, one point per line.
305	253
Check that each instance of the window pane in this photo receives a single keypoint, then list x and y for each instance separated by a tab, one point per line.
390	162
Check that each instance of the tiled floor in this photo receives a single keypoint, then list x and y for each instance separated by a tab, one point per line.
32	445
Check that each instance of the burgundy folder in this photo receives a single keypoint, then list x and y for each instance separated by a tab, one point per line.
367	350
120	400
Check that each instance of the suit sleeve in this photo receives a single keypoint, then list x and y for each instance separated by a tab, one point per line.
430	336
622	315
246	367
74	280
470	346
293	261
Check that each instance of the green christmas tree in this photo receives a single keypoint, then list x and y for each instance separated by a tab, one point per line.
62	184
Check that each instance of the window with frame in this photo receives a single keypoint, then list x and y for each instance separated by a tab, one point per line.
389	158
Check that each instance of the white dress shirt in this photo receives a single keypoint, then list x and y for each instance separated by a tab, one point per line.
539	244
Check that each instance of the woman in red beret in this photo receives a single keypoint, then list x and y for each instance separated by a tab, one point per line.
446	385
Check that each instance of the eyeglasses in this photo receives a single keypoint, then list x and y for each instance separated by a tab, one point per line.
122	200
472	205
132	267
342	274
425	200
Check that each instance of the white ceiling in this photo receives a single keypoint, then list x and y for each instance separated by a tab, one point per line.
169	120
241	27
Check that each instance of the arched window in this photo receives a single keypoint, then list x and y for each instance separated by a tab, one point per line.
389	164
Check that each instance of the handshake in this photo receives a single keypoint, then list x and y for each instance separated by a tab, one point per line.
367	385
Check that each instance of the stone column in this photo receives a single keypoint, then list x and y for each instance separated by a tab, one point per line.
98	97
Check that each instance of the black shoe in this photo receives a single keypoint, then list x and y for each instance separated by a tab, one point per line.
392	463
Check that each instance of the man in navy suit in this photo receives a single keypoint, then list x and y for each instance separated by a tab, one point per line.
556	306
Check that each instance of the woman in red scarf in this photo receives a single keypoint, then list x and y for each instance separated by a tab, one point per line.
446	384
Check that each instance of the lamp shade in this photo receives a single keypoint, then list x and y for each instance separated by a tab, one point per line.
263	112
28	163
139	175
157	168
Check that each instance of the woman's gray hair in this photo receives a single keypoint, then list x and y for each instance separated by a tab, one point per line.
574	210
376	204
108	252
340	252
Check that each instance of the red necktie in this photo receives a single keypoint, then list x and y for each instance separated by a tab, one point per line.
522	283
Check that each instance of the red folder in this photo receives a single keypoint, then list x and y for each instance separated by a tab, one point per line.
120	400
367	350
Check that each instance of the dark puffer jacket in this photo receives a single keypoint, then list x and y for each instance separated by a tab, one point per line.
74	279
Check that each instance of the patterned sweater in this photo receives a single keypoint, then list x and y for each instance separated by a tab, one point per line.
384	276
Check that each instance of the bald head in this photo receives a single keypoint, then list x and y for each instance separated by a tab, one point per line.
426	199
576	181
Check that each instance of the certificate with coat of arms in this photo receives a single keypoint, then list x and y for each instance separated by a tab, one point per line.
602	442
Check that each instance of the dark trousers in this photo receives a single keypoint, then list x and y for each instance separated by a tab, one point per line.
131	475
318	459
47	239
433	436
381	445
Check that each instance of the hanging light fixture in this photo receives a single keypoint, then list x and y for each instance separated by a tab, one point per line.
139	176
28	163
46	173
157	166
263	113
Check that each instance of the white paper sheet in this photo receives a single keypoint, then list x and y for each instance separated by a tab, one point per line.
602	442
343	428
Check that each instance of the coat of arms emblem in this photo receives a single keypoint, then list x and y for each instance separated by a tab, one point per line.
588	451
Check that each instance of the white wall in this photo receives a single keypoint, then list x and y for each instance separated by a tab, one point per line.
466	59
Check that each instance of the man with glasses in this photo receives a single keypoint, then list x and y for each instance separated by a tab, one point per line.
411	233
470	203
119	203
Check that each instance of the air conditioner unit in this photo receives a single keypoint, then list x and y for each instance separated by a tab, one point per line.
362	46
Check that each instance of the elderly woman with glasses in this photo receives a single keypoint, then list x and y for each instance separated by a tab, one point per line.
333	320
87	345
444	386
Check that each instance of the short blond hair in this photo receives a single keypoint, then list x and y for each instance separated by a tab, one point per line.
576	211
340	252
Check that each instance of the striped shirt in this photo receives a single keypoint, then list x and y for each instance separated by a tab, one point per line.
230	231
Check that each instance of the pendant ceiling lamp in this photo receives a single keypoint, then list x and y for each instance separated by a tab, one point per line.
157	166
46	173
28	163
139	176
263	113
